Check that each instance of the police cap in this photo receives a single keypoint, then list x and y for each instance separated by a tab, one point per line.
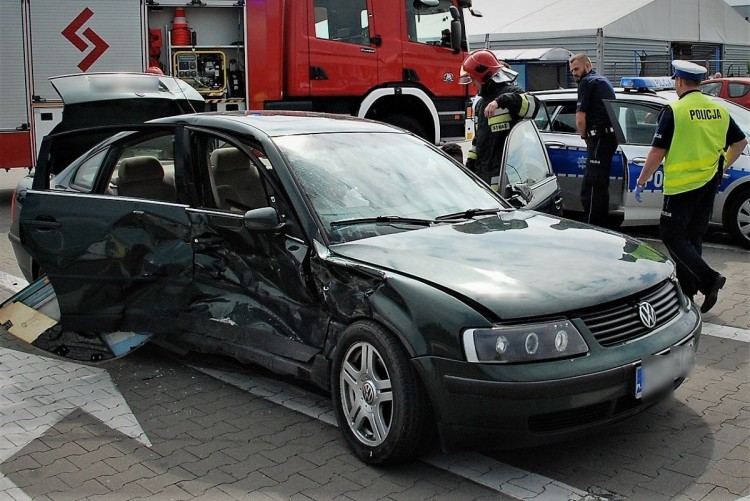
688	70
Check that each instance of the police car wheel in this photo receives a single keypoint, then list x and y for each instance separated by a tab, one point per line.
737	217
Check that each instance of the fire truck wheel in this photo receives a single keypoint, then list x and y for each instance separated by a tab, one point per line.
406	122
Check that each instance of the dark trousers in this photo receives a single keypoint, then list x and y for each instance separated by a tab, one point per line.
595	186
684	221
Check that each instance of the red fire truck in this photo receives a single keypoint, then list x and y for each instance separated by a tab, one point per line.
390	60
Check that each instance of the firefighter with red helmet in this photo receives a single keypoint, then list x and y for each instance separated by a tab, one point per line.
499	106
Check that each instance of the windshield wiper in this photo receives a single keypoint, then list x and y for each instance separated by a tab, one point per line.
384	219
470	213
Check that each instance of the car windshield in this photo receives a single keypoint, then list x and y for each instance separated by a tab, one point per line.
364	184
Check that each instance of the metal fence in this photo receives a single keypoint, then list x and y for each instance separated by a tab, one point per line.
647	66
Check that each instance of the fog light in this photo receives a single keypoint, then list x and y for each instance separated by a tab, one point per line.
561	341
532	343
501	345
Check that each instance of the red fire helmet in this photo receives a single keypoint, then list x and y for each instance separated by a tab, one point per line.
480	65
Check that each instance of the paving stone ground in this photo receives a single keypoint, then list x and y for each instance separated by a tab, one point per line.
214	440
210	440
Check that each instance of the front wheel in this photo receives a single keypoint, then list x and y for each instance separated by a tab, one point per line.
380	404
737	218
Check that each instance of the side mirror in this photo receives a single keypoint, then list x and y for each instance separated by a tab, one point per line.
456	34
426	3
263	220
522	191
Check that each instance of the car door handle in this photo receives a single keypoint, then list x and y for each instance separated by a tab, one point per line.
554	144
639	161
44	224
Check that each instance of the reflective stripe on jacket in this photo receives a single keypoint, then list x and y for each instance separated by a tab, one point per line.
700	132
529	106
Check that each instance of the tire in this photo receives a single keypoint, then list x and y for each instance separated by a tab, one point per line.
737	218
374	383
406	122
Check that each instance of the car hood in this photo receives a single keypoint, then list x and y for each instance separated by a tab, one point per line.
519	264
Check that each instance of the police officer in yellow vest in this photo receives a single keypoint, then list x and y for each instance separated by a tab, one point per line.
699	140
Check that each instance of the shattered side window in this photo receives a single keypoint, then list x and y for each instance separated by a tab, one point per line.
234	177
237	182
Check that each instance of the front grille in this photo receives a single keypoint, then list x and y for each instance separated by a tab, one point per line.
570	418
619	322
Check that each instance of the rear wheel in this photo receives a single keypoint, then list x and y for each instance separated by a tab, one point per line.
737	218
380	404
406	122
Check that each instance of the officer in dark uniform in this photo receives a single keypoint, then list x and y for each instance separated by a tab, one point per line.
699	140
499	106
596	129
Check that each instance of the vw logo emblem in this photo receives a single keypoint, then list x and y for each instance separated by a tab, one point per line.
647	314
369	392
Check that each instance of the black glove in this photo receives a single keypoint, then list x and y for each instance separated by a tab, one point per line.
471	164
503	101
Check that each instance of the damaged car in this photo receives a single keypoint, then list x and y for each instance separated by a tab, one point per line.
359	257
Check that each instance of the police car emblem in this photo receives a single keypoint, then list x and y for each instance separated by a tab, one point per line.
647	314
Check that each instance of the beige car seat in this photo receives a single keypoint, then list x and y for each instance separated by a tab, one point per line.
143	177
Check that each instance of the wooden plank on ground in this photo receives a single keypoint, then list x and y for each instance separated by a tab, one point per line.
23	322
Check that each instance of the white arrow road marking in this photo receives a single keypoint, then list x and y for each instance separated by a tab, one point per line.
37	392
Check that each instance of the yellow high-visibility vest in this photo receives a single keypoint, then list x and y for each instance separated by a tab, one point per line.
700	133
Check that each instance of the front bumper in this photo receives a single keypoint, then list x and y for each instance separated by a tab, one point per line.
473	409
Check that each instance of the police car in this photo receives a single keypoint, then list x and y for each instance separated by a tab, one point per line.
635	115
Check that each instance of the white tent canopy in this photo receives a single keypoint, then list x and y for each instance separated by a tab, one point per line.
536	54
711	21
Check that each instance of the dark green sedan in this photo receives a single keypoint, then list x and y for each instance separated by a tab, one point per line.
357	256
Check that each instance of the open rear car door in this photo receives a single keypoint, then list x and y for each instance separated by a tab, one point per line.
118	262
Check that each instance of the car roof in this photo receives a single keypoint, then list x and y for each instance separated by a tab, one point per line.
94	87
282	123
728	79
620	93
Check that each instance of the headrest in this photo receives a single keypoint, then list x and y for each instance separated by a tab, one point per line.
137	169
229	159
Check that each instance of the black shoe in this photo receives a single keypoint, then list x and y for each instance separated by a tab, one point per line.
713	294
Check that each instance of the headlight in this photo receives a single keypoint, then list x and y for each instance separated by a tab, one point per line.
523	343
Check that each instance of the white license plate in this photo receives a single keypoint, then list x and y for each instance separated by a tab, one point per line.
658	372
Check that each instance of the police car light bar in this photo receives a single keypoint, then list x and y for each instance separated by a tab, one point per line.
647	83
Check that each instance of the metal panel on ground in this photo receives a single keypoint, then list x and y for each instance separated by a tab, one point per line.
78	36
